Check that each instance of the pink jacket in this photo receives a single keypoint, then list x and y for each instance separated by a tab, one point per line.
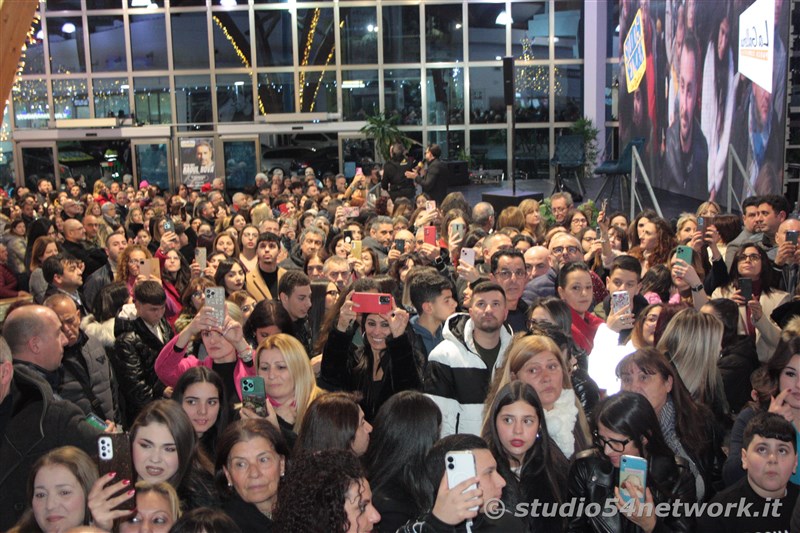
170	366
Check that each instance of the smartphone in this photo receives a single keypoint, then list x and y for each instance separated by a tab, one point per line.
283	208
791	236
604	205
468	256
96	421
355	251
373	303
215	299
746	288
701	225
430	206
460	466
400	244
200	255
254	395
632	469
619	299
151	267
359	170
351	212
348	236
114	455
169	225
430	235
459	229
685	253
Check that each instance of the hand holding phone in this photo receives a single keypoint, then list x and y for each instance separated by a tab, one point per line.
372	303
791	236
685	253
430	235
468	256
619	300
215	300
355	251
200	255
254	396
632	473
460	466
114	455
746	288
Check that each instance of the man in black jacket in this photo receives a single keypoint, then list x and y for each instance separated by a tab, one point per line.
32	420
75	244
137	349
435	178
398	174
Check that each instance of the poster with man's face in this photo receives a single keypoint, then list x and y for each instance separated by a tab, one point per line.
698	80
197	161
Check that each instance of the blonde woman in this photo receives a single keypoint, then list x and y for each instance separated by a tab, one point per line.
289	382
695	361
534	223
538	361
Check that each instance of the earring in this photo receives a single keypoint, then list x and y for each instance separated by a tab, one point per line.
537	436
283	474
230	484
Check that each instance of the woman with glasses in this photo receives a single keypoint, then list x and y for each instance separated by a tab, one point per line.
689	428
751	274
129	265
192	299
626	424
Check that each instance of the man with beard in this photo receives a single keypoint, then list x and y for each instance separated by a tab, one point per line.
461	367
262	283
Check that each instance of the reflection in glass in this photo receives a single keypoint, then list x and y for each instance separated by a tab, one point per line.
189	40
488	149
532	87
37	162
30	104
111	97
273	38
612	30
612	91
6	152
568	30
359	35
240	164
486	96
151	100
445	88
443	33
452	143
231	39
70	99
359	94
532	151
193	100
148	42
568	92
315	36
276	92
234	98
402	92
107	43
487	38
318	92
530	30
34	54
400	34
152	164
65	38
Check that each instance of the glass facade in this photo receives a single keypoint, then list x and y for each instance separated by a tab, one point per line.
195	65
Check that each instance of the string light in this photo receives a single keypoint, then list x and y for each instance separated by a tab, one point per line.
240	54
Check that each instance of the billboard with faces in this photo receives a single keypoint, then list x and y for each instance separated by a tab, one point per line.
698	77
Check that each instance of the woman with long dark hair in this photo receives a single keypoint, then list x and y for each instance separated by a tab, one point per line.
626	424
531	463
406	427
202	395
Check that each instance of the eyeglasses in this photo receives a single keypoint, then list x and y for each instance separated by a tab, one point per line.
616	445
753	258
506	274
558	250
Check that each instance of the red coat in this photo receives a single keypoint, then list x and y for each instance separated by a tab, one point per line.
583	329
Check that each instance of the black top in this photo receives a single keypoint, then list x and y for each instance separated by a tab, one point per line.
246	515
225	371
271	280
764	515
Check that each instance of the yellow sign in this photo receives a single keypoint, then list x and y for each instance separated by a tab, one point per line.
635	58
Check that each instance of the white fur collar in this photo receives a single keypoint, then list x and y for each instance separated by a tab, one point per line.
561	422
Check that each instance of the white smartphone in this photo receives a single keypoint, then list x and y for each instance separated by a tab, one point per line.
215	299
200	254
460	466
619	299
468	256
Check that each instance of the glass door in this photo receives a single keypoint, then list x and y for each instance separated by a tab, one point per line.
356	149
152	163
37	161
241	163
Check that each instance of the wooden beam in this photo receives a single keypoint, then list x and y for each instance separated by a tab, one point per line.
16	17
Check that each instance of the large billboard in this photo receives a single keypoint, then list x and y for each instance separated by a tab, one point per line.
699	77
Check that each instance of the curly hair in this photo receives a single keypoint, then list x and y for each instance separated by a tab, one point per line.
122	264
313	495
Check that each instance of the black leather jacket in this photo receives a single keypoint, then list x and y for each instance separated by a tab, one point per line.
592	479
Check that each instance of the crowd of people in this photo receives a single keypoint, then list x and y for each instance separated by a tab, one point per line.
552	341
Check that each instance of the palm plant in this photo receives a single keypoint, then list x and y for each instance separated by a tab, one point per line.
383	129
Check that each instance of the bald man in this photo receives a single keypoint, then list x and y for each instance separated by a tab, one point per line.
542	276
76	245
35	421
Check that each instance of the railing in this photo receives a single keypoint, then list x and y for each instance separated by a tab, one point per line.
637	164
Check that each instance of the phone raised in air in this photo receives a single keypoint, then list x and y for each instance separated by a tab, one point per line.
620	299
460	466
200	255
633	470
254	395
215	300
114	455
370	303
746	288
468	256
685	253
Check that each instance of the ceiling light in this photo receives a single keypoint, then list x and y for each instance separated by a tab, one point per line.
503	18
68	27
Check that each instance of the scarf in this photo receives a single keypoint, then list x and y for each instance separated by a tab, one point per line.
666	419
561	422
